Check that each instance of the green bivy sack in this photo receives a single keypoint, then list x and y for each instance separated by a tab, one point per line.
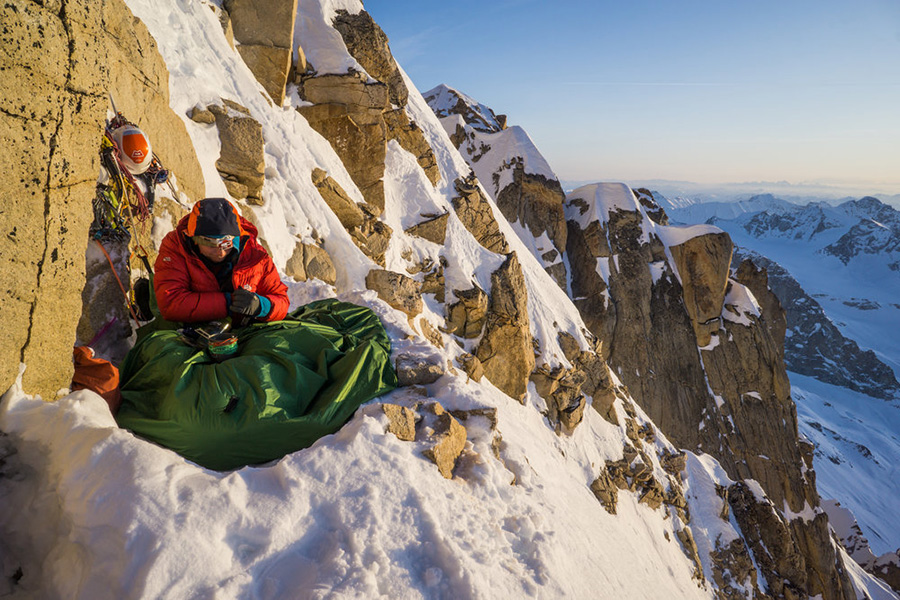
290	383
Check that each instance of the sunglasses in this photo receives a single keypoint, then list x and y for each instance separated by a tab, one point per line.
224	242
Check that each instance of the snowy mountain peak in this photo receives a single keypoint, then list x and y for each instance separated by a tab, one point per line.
445	101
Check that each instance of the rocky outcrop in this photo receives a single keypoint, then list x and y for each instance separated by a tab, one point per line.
368	44
505	350
447	439
347	211
58	65
703	264
399	291
446	101
348	111
476	215
732	568
779	558
265	32
536	202
401	421
731	399
410	137
471	365
242	161
561	388
309	261
417	370
433	229
368	233
468	314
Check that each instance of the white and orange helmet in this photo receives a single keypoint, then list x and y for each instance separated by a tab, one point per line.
134	148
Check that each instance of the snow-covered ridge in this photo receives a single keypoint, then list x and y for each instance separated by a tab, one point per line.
94	512
445	100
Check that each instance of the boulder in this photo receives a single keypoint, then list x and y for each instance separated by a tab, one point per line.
201	115
242	156
401	421
506	350
476	215
471	365
468	315
368	44
399	291
346	210
309	261
265	31
561	388
433	230
373	238
434	283
410	137
417	370
448	438
606	492
704	262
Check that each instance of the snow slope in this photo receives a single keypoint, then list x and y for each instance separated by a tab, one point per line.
91	511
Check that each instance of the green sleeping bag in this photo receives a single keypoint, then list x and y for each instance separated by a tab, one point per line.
290	383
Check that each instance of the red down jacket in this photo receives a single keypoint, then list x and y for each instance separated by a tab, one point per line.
187	291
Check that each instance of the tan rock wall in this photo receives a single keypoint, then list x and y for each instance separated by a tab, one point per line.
265	30
56	68
505	351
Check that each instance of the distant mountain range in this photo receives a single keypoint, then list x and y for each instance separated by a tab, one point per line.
798	193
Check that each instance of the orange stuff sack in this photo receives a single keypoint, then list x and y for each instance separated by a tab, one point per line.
97	375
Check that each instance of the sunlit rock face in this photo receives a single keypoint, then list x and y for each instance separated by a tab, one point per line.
58	71
702	352
265	32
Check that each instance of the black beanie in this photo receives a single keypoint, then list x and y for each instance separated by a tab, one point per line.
213	216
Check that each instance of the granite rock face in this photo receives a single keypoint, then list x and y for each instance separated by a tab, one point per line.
505	350
368	44
703	263
348	111
355	111
476	214
265	32
703	356
526	193
58	63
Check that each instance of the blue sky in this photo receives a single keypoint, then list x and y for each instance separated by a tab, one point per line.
698	90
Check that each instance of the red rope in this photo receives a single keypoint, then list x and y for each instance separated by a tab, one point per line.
121	287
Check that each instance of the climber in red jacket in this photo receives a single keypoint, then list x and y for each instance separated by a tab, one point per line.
213	265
